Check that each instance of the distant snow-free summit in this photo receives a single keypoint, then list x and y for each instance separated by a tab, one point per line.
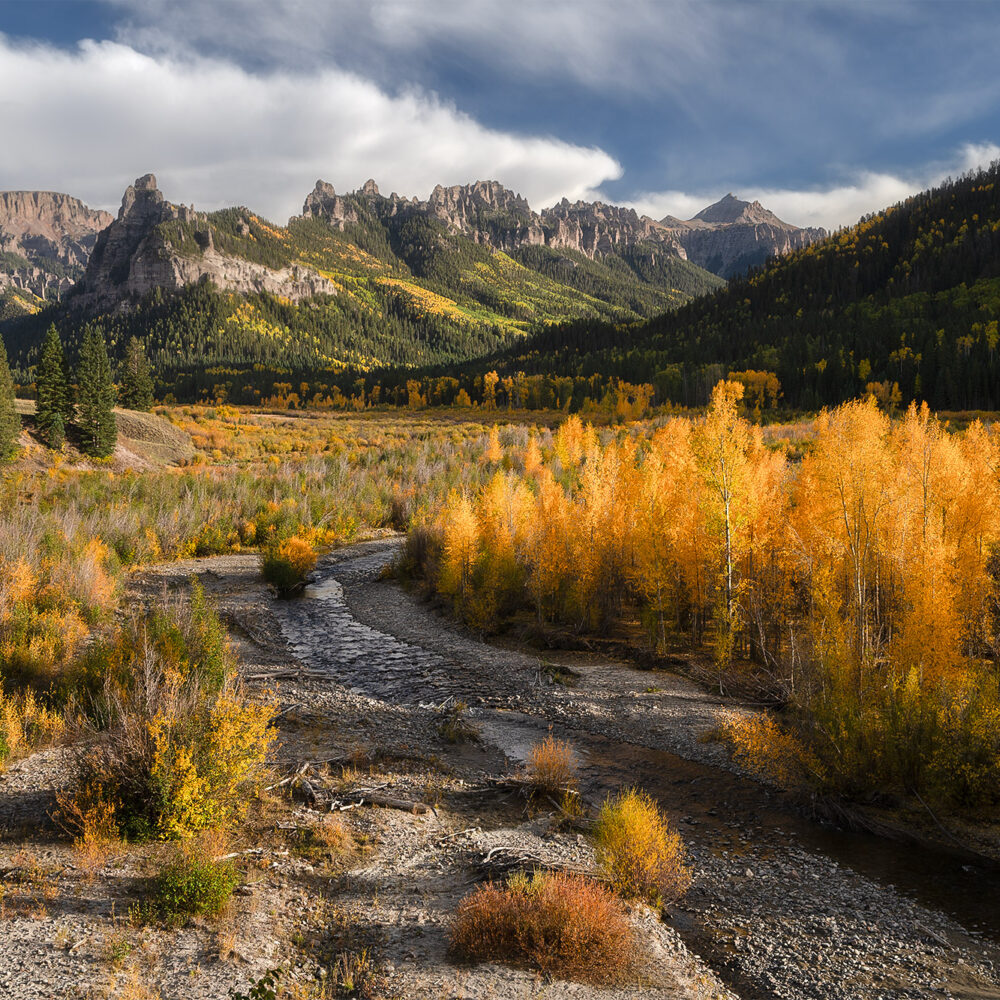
731	236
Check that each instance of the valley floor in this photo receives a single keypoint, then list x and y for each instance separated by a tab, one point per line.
364	673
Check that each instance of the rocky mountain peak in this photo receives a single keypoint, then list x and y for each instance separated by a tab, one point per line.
730	210
142	198
733	235
323	202
370	189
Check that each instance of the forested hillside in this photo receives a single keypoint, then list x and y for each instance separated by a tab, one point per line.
388	287
908	298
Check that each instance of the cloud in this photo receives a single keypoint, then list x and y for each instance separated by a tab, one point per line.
620	45
88	121
842	204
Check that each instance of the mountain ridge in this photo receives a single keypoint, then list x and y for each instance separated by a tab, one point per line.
905	304
366	280
46	238
729	235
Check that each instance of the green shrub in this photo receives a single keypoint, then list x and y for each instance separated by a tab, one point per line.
194	885
176	745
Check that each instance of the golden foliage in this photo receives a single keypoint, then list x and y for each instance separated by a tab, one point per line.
25	725
641	856
766	750
287	563
828	569
552	766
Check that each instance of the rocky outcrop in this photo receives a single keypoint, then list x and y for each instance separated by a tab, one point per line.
47	239
732	235
598	230
488	213
725	238
137	254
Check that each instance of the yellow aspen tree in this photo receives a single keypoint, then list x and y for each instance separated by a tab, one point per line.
548	538
845	495
721	445
460	531
665	500
532	455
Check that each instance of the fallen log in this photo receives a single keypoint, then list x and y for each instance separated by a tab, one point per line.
404	805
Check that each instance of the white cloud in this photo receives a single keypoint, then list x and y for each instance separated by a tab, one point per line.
89	121
840	205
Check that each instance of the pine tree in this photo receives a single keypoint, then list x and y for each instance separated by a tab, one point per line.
136	387
52	387
10	421
96	419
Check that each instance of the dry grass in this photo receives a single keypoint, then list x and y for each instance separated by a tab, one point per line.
641	856
563	925
28	888
552	767
134	985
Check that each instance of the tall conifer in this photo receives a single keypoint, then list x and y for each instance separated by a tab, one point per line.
10	420
135	390
53	390
96	391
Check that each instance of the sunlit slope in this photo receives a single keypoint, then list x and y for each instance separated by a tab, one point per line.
407	294
909	297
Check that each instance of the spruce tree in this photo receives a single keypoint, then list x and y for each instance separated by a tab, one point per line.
135	391
52	387
10	420
96	395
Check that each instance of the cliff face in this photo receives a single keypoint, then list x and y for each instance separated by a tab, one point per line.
47	239
731	236
490	214
135	255
725	238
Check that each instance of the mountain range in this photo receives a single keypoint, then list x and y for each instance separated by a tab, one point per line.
905	304
359	279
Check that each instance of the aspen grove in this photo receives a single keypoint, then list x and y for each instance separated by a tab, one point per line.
856	581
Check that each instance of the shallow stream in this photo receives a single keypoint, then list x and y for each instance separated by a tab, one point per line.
765	870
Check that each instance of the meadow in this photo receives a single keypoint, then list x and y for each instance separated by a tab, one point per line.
71	531
842	568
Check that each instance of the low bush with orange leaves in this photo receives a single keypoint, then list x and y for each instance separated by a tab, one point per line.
641	856
286	564
563	925
765	749
552	767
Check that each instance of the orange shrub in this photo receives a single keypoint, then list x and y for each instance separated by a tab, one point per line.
286	564
552	766
563	925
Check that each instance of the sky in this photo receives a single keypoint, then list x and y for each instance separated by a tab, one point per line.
824	111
